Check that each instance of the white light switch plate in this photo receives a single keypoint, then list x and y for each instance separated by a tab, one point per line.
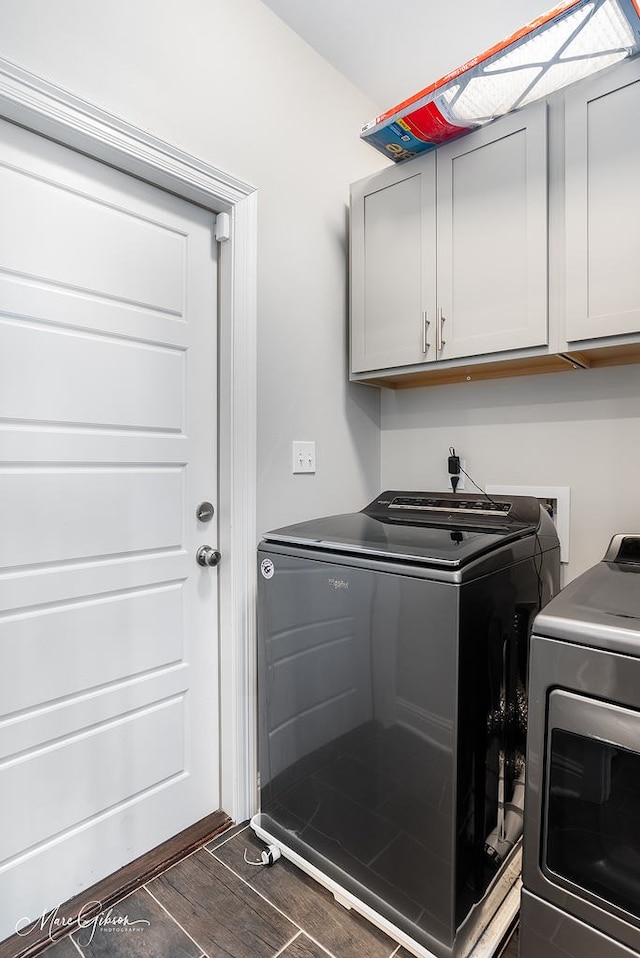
304	456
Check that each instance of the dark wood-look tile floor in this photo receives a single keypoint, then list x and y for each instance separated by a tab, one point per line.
511	951
214	904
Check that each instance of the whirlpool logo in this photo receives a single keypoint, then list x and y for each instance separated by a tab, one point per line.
267	568
338	584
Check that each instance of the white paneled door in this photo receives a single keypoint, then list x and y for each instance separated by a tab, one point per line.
109	739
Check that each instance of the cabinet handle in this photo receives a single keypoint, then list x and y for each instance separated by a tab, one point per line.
440	342
425	326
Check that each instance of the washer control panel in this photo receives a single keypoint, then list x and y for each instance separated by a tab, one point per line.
624	549
478	506
459	509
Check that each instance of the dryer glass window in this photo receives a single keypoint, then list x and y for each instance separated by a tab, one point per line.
593	817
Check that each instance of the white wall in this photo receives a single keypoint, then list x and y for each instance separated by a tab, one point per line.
579	429
227	81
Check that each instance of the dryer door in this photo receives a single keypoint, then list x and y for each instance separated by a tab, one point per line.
582	803
591	833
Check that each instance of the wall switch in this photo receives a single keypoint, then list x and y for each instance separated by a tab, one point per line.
304	456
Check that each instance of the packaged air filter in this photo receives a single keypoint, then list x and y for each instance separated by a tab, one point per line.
575	39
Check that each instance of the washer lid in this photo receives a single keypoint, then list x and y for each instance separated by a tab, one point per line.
433	528
450	547
601	608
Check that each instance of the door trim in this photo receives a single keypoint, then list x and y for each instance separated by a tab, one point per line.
44	108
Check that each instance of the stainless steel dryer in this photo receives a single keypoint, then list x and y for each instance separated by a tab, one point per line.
581	872
393	649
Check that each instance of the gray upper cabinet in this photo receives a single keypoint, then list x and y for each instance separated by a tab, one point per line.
602	154
449	250
512	250
492	238
393	266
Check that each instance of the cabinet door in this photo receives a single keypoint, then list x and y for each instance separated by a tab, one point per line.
602	152
492	237
393	267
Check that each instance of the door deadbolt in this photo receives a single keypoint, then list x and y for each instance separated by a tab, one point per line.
205	511
206	556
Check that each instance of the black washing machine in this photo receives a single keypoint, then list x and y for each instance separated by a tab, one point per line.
393	653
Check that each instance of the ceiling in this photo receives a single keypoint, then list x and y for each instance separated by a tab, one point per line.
391	49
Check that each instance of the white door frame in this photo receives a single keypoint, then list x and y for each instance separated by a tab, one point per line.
41	106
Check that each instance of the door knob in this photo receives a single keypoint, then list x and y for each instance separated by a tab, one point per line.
207	556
